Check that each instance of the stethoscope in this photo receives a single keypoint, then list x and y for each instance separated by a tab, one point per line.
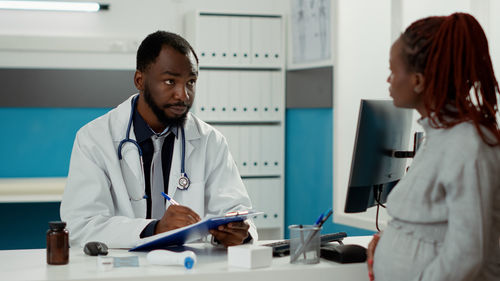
184	181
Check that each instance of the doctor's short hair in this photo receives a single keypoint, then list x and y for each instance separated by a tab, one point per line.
151	46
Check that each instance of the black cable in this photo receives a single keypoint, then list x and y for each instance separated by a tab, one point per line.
378	194
376	218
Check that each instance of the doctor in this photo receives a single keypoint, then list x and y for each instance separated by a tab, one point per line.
122	161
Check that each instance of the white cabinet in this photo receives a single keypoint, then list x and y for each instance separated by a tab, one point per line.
241	93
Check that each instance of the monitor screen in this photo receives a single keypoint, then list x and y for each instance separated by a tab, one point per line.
382	130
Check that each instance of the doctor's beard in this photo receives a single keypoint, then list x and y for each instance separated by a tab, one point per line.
160	114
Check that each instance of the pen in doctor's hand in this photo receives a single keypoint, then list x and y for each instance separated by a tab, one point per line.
172	201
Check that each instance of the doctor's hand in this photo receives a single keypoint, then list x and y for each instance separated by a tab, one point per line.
176	216
231	234
370	252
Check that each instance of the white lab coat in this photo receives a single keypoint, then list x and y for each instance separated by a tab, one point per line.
103	198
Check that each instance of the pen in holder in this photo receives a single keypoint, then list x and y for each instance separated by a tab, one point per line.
305	243
312	243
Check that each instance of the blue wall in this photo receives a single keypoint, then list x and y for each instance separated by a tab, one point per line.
38	142
35	142
309	169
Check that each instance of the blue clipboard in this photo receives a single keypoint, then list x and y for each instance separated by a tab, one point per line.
191	232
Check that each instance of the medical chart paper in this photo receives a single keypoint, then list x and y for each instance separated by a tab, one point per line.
191	232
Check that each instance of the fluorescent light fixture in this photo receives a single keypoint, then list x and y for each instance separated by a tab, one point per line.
53	6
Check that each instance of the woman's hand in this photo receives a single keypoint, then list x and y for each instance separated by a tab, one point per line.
370	252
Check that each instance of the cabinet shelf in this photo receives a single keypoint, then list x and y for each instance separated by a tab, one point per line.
241	92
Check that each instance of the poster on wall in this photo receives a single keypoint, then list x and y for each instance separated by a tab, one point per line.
311	32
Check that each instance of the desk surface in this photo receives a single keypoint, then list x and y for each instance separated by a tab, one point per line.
211	265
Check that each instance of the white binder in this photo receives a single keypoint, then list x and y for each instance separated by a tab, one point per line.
234	41
277	100
266	196
266	96
245	42
254	150
259	36
254	94
202	89
270	189
211	97
222	40
252	189
222	95
275	29
244	144
276	136
245	93
234	96
207	43
230	132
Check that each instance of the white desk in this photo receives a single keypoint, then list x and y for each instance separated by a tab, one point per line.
211	265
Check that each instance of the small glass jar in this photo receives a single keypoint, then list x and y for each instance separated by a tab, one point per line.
57	243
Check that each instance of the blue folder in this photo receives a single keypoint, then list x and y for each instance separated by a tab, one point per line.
191	232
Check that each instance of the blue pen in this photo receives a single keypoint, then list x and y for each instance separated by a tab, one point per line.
172	201
319	219
324	217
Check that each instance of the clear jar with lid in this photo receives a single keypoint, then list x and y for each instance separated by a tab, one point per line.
57	243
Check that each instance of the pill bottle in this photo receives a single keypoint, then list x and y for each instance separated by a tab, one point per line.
57	243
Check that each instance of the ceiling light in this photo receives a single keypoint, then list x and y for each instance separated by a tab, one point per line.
53	6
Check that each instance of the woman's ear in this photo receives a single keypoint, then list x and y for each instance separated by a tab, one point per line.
419	83
139	80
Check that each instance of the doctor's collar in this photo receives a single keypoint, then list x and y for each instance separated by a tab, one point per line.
165	132
143	131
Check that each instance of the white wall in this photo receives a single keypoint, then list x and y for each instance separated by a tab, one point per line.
365	31
52	39
361	50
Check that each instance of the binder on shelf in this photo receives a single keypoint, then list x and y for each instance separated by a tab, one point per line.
270	190
206	43
212	99
266	96
234	41
277	99
245	92
254	150
259	37
230	132
221	39
191	232
221	94
202	94
263	193
267	150
274	47
244	146
276	139
234	99
253	96
245	41
251	185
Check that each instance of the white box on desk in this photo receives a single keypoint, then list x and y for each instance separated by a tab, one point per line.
249	256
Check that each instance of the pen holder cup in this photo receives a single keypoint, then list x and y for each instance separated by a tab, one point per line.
305	242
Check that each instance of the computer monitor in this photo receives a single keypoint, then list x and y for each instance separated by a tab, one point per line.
380	153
